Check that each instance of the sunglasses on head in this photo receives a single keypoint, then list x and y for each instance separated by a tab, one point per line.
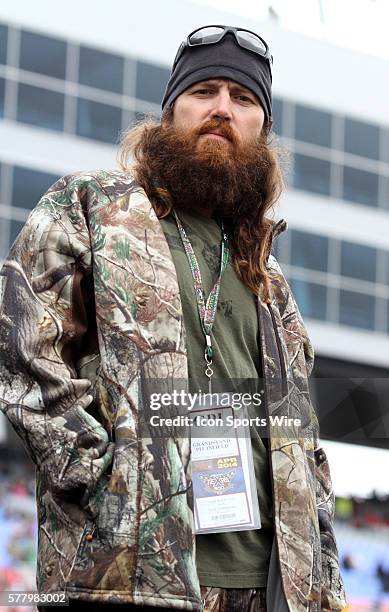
213	34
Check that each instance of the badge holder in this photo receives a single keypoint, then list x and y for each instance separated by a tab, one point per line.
224	487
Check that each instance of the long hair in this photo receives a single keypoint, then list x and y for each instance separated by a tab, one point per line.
251	236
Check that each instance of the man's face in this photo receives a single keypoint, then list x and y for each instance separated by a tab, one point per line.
233	104
211	153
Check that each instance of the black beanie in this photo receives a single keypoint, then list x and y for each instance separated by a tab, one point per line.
226	60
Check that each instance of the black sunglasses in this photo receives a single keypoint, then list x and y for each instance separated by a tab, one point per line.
213	34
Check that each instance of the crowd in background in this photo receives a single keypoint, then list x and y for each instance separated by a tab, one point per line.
362	528
18	529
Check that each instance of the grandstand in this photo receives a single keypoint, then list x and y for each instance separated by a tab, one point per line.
18	528
365	566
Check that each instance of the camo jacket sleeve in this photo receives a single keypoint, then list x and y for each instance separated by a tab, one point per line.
45	319
333	594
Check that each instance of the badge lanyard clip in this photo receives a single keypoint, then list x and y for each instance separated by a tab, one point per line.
208	354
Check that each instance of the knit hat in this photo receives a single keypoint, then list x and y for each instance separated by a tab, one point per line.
226	59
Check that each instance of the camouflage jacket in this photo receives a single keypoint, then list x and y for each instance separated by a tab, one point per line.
90	310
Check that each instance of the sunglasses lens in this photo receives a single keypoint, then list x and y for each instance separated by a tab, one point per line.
206	36
252	42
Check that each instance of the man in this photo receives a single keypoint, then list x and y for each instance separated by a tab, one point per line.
106	291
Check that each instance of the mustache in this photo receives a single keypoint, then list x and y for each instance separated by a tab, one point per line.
221	127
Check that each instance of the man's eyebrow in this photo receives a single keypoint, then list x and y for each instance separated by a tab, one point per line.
217	83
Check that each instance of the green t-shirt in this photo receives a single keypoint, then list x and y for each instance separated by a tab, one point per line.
237	559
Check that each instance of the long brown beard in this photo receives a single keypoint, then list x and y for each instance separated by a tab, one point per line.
164	165
228	178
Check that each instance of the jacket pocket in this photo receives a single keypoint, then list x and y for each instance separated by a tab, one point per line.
109	541
61	530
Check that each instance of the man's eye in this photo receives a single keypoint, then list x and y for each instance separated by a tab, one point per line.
202	91
245	98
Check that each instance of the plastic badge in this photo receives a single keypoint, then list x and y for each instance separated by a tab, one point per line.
224	488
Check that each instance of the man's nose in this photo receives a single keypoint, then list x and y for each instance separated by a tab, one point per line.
222	106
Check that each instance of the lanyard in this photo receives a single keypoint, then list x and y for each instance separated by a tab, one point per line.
206	309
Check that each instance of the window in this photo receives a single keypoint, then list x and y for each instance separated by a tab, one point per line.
386	267
138	116
43	54
15	229
356	309
100	69
360	186
4	236
387	317
358	261
2	97
313	126
40	107
277	116
309	250
98	121
151	82
385	139
311	174
3	43
29	185
311	298
385	195
128	118
362	138
280	247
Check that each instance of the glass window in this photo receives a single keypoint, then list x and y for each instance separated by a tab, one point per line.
358	261
4	236
277	115
384	201
2	97
311	298
128	118
311	174
362	138
309	250
356	309
280	247
43	54
151	82
3	43
360	186
101	69
16	228
385	138
138	116
313	125
387	318
98	121
29	185
387	267
40	107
